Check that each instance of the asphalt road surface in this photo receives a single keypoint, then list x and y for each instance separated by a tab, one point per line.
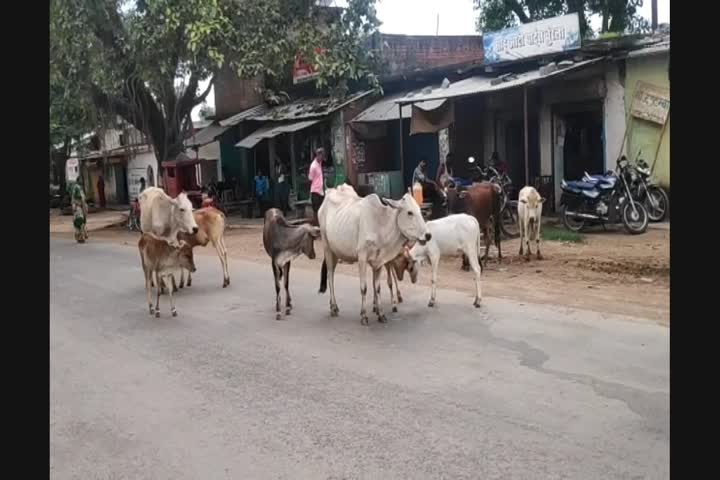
507	391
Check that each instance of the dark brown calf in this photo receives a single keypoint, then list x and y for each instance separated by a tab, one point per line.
283	242
160	259
482	201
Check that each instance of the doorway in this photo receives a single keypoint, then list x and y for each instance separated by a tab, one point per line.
583	146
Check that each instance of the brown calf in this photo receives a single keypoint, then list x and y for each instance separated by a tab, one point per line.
283	242
482	201
211	229
161	260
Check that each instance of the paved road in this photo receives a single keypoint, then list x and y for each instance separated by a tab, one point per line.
510	391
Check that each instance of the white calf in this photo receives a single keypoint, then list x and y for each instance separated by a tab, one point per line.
452	236
529	219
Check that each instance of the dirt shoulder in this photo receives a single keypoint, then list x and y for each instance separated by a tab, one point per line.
610	272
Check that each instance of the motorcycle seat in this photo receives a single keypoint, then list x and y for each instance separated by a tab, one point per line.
580	185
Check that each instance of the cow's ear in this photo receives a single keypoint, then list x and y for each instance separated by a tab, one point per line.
522	200
389	203
542	200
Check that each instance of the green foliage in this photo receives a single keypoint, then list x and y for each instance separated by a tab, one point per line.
555	234
617	15
144	59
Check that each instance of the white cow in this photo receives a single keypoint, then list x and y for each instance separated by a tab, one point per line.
370	231
164	217
529	219
452	236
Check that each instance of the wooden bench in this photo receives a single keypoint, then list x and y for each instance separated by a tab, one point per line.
244	206
300	207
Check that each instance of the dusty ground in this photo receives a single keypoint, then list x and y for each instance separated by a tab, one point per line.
609	272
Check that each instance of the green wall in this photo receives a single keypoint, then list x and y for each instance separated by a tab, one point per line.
644	135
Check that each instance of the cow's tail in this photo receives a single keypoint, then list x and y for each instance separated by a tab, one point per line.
323	277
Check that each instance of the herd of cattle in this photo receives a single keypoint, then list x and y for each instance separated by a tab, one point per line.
374	232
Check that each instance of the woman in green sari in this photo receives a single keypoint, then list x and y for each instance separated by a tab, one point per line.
79	210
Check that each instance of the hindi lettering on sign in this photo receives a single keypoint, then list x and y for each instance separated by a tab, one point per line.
651	103
553	35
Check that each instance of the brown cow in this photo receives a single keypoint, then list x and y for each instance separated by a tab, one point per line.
161	260
482	201
211	229
283	242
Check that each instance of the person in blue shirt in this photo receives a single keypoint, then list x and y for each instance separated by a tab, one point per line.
262	190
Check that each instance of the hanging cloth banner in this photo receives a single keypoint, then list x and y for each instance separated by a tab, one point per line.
432	121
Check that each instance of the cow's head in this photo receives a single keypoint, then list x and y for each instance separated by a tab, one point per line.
533	202
405	262
410	220
186	259
308	240
182	214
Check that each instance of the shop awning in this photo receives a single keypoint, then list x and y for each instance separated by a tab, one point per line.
273	130
486	84
206	135
386	109
244	115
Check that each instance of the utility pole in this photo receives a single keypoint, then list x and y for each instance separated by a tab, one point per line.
437	24
653	5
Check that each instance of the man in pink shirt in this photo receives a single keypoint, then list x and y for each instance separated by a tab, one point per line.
315	175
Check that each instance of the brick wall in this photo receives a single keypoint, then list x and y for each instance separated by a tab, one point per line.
233	95
407	53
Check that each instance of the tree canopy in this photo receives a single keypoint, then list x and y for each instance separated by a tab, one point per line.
617	15
145	59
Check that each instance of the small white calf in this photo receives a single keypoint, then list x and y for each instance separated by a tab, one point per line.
529	219
452	236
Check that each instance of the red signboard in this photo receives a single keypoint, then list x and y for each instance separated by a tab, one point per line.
304	72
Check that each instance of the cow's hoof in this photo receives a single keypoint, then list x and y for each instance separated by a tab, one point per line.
278	316
527	258
382	319
400	299
364	320
152	311
476	303
431	304
157	314
395	310
375	310
174	313
288	310
540	257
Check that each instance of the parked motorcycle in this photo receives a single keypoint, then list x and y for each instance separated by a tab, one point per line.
603	199
508	208
133	222
645	189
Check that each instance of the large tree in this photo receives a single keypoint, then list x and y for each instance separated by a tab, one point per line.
617	15
145	59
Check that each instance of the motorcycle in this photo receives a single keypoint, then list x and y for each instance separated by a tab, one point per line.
646	190
603	199
133	222
508	208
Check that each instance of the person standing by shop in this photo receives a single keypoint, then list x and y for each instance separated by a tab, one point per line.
79	209
315	175
262	191
282	186
101	191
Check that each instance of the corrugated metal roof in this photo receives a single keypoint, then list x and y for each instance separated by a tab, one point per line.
270	131
308	108
244	115
658	49
206	135
484	84
386	109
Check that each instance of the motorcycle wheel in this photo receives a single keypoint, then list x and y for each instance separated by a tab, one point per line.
662	202
571	223
634	223
509	220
